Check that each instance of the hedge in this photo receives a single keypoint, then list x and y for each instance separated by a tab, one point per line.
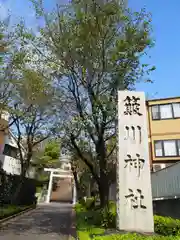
92	220
132	237
166	226
9	210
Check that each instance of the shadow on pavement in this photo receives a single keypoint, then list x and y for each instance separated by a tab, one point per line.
54	219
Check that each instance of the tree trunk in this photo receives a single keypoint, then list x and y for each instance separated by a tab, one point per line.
15	198
103	191
103	184
78	188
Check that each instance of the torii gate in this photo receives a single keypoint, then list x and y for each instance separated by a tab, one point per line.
61	173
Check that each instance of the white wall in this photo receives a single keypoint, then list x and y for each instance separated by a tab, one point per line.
13	166
10	140
5	116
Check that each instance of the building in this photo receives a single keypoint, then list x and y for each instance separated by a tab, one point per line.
9	157
65	162
4	122
10	162
163	131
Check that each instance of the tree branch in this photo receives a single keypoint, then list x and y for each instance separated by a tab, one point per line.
90	166
112	150
42	139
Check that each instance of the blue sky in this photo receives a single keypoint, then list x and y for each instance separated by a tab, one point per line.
166	31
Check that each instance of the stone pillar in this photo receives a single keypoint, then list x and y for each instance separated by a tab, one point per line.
134	197
74	194
49	188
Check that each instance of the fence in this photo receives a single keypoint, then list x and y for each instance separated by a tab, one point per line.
166	182
165	191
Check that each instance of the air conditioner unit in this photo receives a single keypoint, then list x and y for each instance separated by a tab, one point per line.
157	167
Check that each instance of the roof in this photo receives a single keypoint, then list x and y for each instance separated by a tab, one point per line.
65	158
161	99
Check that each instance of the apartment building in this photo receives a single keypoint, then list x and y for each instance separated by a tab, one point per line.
9	150
4	121
164	131
11	162
163	120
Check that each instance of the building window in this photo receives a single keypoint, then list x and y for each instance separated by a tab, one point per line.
165	111
178	147
170	148
155	112
10	151
176	110
158	149
167	148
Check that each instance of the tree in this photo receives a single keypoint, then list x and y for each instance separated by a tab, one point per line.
3	42
81	174
94	49
33	116
5	68
2	48
49	157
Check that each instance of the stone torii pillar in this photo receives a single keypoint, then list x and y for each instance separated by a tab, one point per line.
49	187
74	193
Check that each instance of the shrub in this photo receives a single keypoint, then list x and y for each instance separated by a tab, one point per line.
166	226
106	218
82	201
8	210
90	203
79	207
132	237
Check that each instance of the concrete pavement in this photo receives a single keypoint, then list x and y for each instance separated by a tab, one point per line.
49	221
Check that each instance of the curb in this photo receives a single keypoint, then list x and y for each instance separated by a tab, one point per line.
6	220
73	233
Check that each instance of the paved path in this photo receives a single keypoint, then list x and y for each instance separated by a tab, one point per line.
53	221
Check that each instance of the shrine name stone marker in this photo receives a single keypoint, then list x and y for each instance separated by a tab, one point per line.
134	197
